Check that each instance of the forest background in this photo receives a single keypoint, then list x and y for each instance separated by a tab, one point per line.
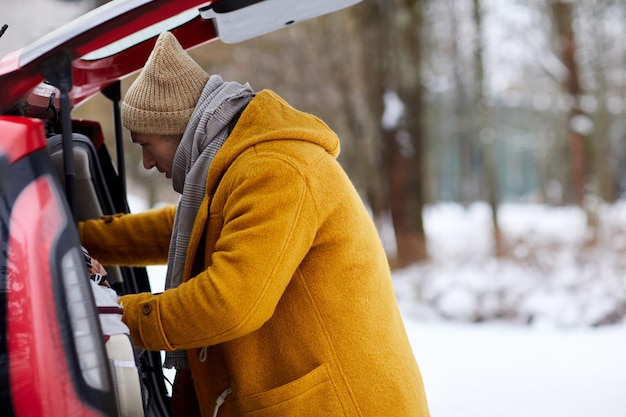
466	102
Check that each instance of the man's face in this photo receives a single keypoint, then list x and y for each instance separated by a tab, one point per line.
157	150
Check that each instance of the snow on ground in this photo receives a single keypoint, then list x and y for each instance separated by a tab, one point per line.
558	365
495	370
556	272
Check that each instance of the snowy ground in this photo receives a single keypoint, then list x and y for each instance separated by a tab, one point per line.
557	366
509	371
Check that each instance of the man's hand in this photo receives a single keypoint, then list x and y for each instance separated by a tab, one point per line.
96	271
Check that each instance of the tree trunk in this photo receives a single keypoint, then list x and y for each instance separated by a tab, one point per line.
410	245
405	146
369	37
464	125
486	132
562	17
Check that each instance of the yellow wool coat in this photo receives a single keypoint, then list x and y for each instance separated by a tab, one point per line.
286	285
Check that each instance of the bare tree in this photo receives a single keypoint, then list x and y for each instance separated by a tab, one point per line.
464	113
601	55
485	129
405	144
562	15
368	41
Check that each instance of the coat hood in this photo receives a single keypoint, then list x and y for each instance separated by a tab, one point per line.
268	117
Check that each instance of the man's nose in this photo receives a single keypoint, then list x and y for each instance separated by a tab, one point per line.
148	160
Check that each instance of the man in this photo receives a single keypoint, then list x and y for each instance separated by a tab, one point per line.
279	299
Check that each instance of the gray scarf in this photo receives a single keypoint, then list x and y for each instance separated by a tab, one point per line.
210	124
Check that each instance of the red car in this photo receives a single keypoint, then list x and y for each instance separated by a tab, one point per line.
55	170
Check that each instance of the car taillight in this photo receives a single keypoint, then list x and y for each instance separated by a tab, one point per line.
56	358
84	321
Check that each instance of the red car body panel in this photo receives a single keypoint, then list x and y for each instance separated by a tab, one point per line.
21	136
90	77
20	71
40	383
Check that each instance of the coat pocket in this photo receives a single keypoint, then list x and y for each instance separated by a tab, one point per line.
309	396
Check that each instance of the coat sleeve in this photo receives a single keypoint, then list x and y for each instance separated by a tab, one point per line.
129	239
269	224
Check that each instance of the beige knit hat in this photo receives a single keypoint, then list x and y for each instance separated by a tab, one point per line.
163	97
